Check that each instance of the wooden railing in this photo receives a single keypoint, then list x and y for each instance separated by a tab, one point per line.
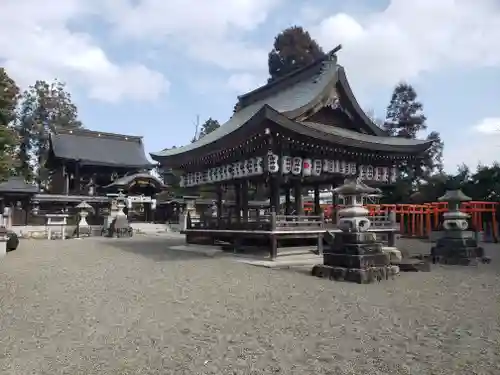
271	222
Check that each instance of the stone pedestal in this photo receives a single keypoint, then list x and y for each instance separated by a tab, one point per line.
356	257
355	254
3	242
454	247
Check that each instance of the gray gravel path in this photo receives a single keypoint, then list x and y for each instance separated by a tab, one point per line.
133	307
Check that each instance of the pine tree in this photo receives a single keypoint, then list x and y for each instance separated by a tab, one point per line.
404	116
293	49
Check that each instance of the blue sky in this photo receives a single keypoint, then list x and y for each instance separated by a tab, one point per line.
149	67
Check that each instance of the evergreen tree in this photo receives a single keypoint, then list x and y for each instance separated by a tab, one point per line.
293	49
209	126
9	93
44	108
404	116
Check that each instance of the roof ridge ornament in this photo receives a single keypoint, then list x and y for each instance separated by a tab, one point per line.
329	62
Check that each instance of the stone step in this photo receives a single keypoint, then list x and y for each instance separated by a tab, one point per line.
414	265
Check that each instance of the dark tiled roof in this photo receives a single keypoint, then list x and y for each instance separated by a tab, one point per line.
97	148
296	97
292	97
18	185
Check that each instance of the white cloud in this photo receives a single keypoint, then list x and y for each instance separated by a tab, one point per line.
479	145
489	125
208	31
412	37
36	43
241	83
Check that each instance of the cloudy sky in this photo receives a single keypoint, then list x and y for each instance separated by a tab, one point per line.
149	67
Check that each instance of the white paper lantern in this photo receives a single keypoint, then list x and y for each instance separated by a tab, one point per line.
343	167
306	167
296	166
369	172
317	167
352	169
286	164
326	163
385	174
182	181
394	174
336	166
244	168
259	165
331	166
272	163
251	167
362	172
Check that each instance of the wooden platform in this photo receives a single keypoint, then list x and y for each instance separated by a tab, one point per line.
275	234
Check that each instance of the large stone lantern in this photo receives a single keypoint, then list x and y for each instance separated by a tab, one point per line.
455	246
355	253
82	226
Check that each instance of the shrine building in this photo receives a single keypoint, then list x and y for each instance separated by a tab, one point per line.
303	131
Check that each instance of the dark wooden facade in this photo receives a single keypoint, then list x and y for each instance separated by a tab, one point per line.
86	165
304	130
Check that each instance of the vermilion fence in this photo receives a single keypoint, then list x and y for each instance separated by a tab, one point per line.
419	220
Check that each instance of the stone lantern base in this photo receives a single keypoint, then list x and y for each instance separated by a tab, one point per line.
356	257
454	248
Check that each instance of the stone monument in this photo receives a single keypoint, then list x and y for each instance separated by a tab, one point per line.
83	226
117	219
355	254
455	247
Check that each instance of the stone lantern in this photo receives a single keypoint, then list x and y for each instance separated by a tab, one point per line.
355	254
82	226
455	246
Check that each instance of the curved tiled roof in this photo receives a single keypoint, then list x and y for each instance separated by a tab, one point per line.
292	97
95	148
297	97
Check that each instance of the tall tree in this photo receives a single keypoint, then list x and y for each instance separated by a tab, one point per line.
404	117
433	159
45	108
208	127
9	93
293	49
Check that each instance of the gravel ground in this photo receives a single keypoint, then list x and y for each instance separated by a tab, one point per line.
133	307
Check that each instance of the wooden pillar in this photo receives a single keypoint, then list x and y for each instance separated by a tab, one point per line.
317	207
299	207
274	196
288	205
66	179
244	199
237	193
77	179
218	191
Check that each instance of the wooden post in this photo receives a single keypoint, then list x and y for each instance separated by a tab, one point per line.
317	207
244	198
288	205
299	207
218	191
77	179
237	192
275	194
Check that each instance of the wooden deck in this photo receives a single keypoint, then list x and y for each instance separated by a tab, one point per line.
278	234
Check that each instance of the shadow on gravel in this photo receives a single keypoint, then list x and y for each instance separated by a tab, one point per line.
156	250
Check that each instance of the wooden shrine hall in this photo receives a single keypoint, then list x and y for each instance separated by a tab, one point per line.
305	130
